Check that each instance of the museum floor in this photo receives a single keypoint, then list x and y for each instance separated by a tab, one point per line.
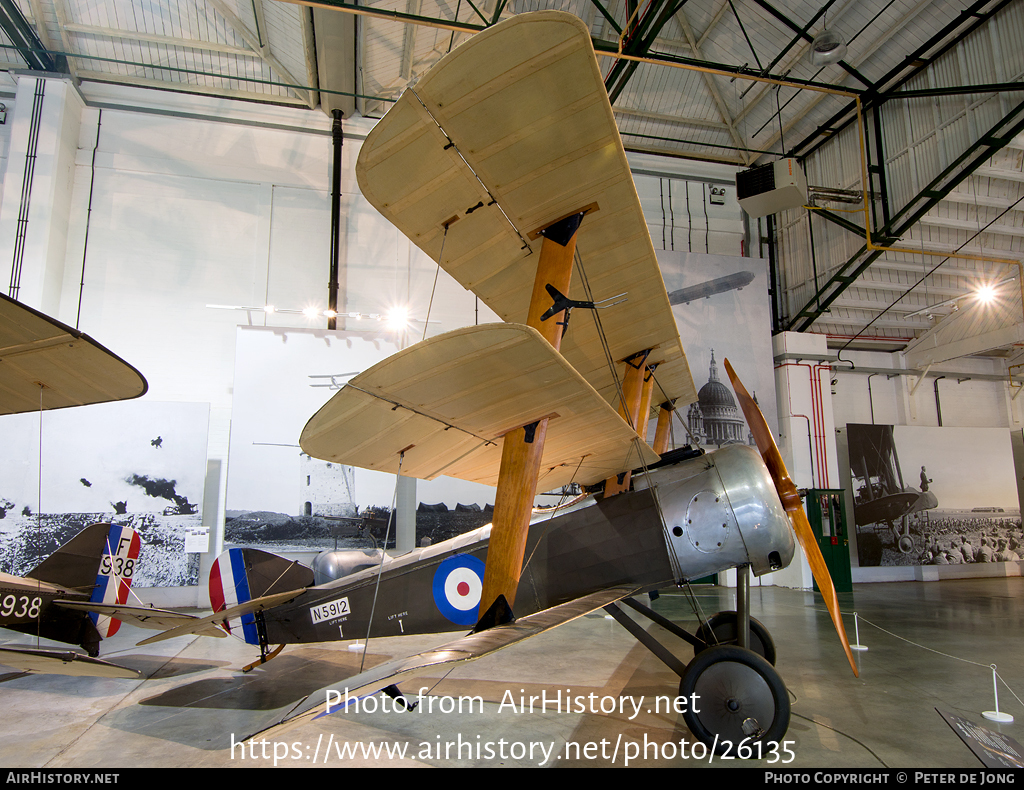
930	646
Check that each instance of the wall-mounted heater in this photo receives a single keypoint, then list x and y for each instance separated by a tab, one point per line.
768	189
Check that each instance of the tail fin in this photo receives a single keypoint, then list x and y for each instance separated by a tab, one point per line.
239	575
100	558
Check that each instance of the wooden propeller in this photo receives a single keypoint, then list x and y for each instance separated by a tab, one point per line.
791	501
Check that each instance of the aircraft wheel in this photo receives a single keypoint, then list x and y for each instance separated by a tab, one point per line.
906	544
742	706
720	629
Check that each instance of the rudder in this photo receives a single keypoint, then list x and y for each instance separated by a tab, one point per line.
100	558
241	574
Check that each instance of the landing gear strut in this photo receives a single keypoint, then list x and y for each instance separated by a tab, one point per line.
733	699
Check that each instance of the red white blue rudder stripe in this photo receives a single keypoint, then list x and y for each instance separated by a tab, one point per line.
458	584
114	575
229	586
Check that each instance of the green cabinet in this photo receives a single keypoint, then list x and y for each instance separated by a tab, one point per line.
824	508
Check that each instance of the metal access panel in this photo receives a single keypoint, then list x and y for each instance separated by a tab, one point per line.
824	508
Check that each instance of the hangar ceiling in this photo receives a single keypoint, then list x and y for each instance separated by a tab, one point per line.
937	82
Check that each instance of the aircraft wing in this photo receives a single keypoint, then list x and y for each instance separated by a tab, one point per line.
73	369
505	135
447	401
62	662
143	616
445	657
203	625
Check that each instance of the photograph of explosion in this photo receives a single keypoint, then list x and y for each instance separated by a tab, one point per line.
136	463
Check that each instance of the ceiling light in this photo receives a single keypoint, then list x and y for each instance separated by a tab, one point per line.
985	294
827	47
397	318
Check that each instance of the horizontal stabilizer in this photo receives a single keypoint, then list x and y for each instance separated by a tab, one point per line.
141	616
62	662
468	648
200	624
447	401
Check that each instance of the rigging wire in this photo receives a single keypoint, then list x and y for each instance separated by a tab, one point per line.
430	304
383	556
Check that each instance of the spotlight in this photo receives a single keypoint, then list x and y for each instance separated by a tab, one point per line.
397	318
985	294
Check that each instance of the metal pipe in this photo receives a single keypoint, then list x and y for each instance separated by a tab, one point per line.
871	401
332	285
938	406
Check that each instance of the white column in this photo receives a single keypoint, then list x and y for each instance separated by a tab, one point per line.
807	428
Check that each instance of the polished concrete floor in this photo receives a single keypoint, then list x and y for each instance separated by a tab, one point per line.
930	646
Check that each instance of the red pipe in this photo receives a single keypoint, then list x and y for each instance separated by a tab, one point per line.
818	410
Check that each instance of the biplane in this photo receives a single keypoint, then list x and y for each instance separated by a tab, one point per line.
74	594
881	496
504	165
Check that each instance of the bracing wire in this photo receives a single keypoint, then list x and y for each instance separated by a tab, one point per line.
383	555
430	304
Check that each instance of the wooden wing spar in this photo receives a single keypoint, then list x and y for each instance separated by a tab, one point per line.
46	364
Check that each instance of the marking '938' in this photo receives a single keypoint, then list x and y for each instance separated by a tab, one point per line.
20	606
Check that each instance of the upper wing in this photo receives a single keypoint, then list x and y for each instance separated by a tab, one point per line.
505	135
448	400
49	365
468	648
143	616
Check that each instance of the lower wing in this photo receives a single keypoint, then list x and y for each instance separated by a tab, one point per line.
468	648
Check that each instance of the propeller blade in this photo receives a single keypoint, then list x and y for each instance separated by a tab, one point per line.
791	501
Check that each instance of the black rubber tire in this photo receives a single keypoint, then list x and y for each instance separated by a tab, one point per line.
742	705
720	629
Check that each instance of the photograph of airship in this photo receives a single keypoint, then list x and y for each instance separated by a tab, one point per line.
711	287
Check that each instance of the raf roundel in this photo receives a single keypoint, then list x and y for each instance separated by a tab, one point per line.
458	583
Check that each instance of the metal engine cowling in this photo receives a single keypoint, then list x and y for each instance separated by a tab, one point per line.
722	510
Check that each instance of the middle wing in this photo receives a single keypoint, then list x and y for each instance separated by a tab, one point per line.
468	648
447	401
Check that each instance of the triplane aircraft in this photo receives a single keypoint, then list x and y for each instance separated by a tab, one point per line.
505	166
74	595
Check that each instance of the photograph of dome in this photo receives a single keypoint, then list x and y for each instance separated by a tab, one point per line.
715	419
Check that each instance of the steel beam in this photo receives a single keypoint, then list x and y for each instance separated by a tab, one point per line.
24	38
990	142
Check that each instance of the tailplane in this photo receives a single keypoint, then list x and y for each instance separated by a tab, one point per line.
240	575
101	558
